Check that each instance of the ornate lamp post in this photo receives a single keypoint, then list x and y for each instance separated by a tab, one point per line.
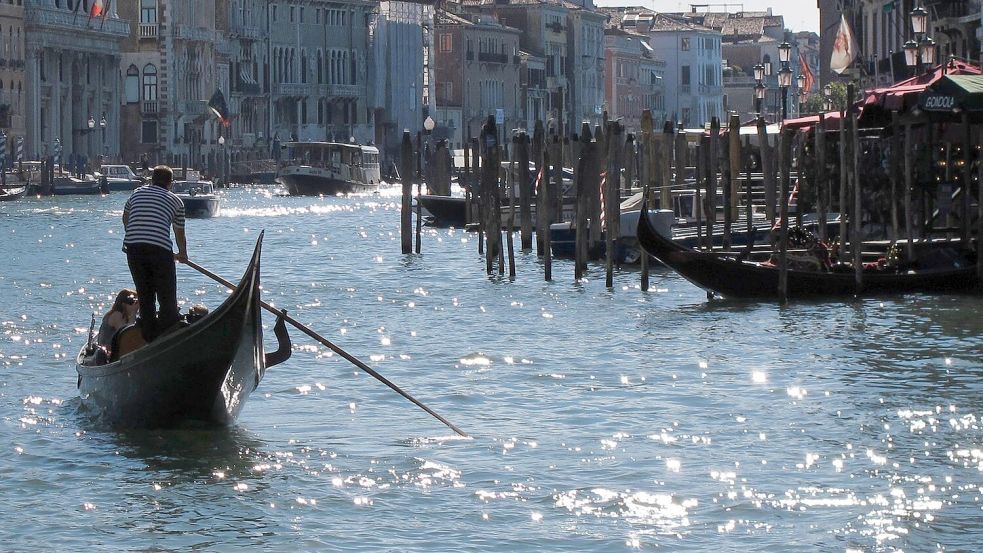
221	143
828	97
800	83
102	128
759	87
784	75
919	51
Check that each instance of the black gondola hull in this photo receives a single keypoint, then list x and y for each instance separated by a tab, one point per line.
199	374
730	277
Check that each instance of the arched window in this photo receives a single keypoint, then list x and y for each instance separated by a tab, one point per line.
132	86
149	83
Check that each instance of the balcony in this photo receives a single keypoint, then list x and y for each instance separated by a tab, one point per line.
292	90
493	58
194	34
149	107
66	20
192	107
342	90
246	32
148	31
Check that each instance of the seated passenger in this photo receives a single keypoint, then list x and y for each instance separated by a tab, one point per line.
122	313
195	312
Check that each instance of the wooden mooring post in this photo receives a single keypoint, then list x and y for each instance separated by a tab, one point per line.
419	190
822	179
406	206
521	149
712	166
510	183
856	214
645	176
543	210
767	170
612	198
476	194
586	172
785	165
489	198
908	174
732	191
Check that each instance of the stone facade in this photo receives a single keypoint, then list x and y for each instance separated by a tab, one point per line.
71	77
634	79
12	60
477	71
403	84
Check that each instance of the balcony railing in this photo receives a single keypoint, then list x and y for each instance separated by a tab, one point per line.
295	90
197	34
342	90
494	58
149	107
192	107
148	30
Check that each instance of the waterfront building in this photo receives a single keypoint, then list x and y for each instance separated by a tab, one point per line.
477	72
12	61
749	39
634	81
692	53
175	59
544	30
320	70
585	44
249	44
403	90
532	88
71	78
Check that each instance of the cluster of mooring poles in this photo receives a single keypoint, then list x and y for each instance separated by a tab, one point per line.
609	164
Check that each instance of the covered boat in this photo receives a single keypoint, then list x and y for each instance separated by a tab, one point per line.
329	168
730	276
201	373
200	200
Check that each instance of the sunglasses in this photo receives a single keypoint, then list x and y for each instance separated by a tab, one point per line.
129	300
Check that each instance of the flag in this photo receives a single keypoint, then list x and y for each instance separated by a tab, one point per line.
219	108
845	49
806	72
97	9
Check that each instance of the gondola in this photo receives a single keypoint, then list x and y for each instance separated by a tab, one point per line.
11	194
200	374
729	276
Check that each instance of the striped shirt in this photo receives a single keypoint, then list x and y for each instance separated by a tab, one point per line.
151	210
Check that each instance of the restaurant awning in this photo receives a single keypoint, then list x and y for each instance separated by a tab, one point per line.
953	93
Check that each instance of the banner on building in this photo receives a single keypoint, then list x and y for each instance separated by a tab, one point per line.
845	48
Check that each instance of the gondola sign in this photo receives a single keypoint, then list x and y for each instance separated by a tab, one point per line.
938	102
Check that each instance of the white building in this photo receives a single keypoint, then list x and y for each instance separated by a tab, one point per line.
72	77
402	71
693	74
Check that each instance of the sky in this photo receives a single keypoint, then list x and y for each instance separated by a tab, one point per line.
800	15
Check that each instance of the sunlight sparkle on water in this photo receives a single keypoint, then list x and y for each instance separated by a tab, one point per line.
759	377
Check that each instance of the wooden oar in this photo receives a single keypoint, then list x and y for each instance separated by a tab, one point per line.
351	358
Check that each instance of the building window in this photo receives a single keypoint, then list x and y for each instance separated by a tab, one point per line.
150	83
684	79
132	85
684	44
446	42
149	132
148	11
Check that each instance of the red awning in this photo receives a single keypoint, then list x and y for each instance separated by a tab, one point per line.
832	118
904	94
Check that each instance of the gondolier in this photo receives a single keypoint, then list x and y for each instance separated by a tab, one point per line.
148	217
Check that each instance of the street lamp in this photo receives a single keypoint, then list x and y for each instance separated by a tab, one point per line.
920	50
102	127
221	143
759	87
784	52
828	97
784	83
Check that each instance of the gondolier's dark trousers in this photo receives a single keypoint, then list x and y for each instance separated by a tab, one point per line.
152	268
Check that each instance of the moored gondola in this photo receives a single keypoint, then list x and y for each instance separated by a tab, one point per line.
200	373
732	277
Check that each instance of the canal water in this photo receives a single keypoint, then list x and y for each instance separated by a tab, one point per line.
600	419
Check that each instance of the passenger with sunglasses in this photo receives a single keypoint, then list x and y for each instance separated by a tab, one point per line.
122	313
